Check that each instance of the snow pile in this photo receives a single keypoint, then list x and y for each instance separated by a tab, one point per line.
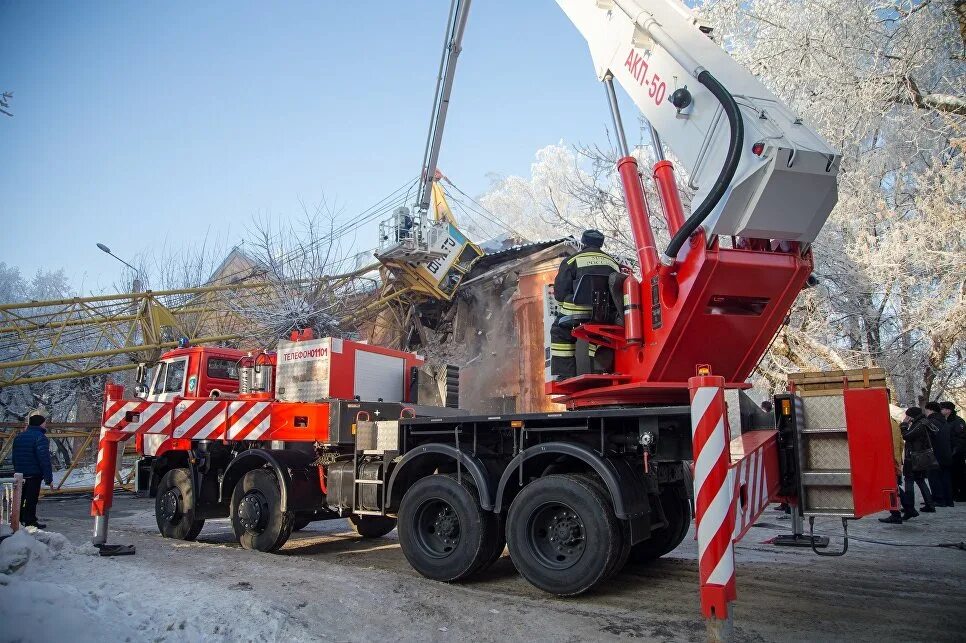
51	590
20	550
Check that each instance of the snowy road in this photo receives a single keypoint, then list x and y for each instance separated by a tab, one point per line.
327	584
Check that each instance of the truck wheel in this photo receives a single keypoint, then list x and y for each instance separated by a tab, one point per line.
174	506
625	528
563	535
677	510
256	512
497	541
495	538
443	531
372	526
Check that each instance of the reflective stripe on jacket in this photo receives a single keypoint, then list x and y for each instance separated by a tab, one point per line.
586	262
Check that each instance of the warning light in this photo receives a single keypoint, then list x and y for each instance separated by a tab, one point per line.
786	407
704	370
758	148
516	424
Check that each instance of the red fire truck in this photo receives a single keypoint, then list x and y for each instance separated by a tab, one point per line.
331	428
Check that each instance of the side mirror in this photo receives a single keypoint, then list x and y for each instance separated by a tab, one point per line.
139	374
140	390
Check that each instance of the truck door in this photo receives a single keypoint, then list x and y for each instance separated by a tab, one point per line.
168	381
174	380
157	382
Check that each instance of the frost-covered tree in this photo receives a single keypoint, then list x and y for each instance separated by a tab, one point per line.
569	190
885	84
60	398
304	265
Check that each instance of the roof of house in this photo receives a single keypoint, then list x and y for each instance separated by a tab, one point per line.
493	259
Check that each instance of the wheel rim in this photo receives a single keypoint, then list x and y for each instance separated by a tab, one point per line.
556	535
437	528
171	505
253	512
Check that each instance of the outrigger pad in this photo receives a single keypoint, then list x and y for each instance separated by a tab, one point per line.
800	540
116	550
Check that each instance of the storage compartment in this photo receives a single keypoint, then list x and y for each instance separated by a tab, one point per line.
377	437
844	445
343	419
321	369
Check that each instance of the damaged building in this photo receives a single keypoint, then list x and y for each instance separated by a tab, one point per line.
497	336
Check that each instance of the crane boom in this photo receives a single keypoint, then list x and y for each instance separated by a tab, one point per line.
444	87
784	179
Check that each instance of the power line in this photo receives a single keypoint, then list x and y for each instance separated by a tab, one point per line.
486	214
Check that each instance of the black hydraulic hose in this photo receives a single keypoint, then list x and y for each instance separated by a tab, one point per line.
728	170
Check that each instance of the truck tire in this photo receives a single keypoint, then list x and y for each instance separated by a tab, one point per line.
495	529
563	535
625	528
677	510
256	512
372	526
497	540
443	531
174	506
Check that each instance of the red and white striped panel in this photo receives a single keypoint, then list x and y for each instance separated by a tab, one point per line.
200	419
713	493
751	487
152	417
248	420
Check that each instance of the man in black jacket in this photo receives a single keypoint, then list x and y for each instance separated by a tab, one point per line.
916	431
957	435
940	479
589	261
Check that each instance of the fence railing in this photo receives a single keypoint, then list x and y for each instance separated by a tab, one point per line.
10	494
73	450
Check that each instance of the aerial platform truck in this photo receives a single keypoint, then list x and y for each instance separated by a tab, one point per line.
329	428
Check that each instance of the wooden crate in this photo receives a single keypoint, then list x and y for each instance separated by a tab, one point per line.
813	383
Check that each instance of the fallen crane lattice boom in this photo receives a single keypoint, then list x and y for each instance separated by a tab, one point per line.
82	336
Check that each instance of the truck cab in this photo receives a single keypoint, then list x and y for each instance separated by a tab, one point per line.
197	371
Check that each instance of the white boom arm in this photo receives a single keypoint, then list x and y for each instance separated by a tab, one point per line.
654	47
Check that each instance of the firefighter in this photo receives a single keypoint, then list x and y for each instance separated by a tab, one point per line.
589	261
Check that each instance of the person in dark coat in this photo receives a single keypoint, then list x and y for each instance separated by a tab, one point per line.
957	436
31	457
916	431
941	478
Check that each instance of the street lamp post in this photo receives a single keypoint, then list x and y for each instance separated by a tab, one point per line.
137	273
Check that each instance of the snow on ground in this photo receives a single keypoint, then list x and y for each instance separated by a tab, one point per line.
51	590
329	584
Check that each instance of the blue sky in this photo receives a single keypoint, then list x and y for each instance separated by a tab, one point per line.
144	123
